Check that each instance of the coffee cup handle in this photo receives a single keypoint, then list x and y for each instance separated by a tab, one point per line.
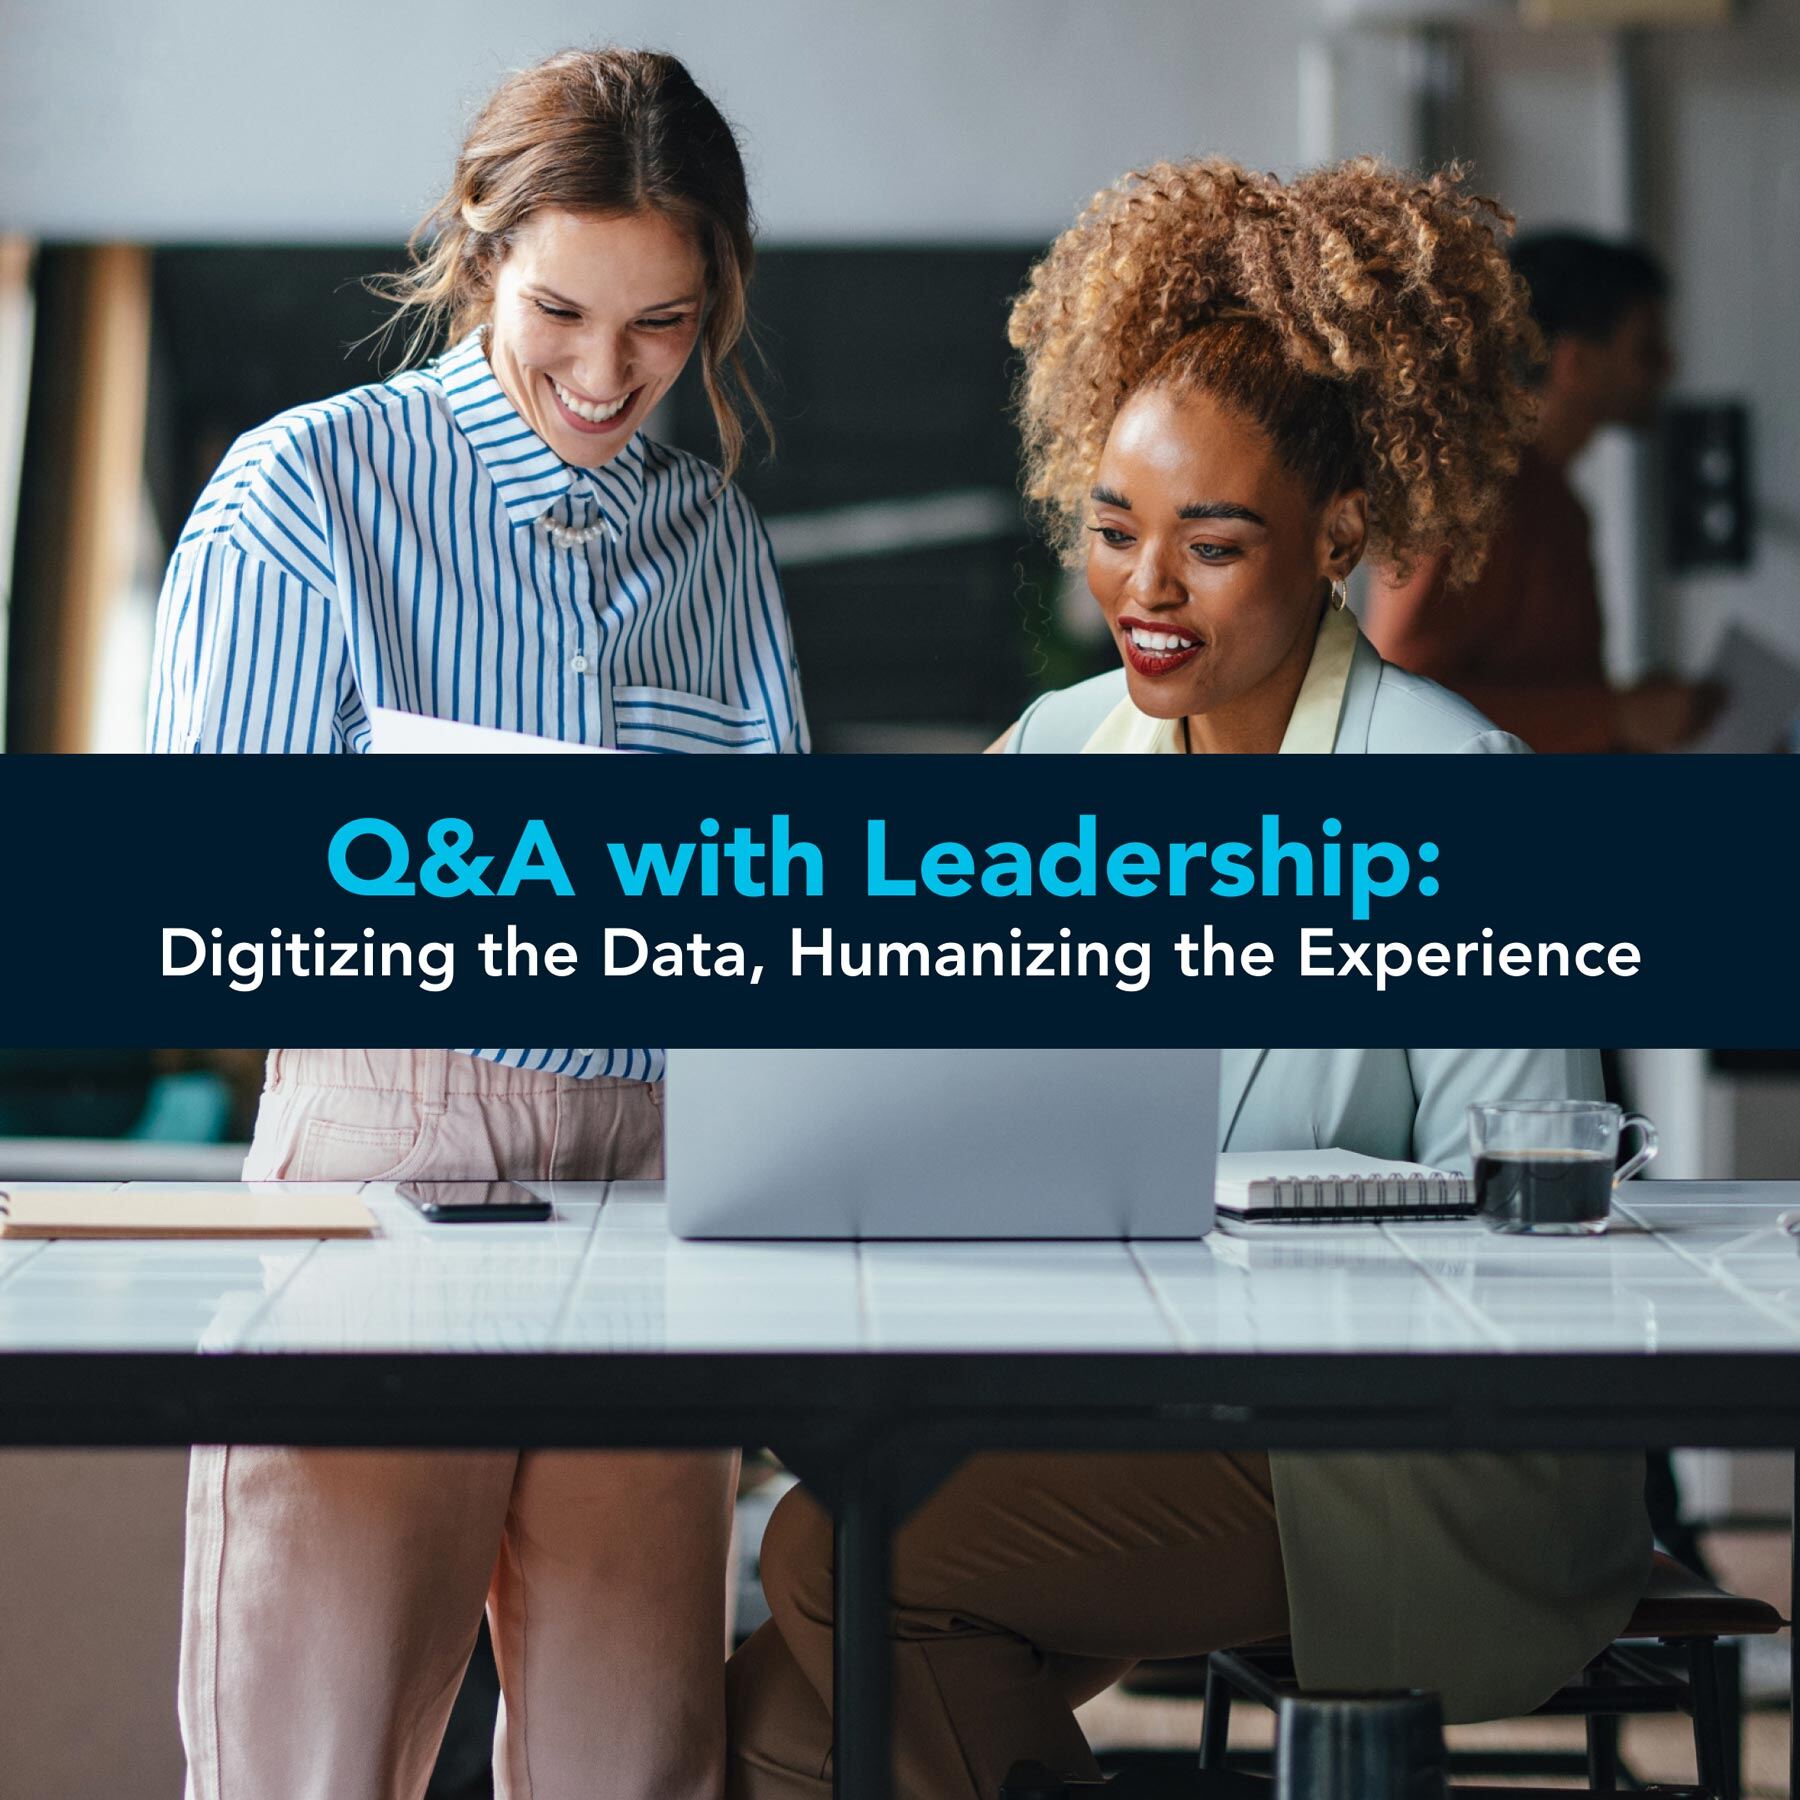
1646	1150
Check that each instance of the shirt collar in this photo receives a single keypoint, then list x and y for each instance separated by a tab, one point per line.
1311	727
531	477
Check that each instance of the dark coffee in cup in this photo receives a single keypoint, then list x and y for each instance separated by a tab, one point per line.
1547	1165
1526	1188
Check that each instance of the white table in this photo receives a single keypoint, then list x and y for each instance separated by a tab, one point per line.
1690	1267
873	1368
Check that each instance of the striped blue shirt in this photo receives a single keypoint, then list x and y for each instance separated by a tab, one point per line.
387	546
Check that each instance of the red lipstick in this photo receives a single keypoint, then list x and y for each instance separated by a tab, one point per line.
1177	646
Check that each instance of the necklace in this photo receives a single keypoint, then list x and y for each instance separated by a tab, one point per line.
571	537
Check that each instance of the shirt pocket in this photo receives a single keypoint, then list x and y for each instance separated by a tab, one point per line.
650	718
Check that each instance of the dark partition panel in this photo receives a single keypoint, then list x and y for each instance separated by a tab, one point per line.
886	372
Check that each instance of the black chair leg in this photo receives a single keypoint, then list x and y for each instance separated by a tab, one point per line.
1716	1773
1729	1661
1603	1752
1602	1738
1215	1720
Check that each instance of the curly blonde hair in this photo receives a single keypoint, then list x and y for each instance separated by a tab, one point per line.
1368	321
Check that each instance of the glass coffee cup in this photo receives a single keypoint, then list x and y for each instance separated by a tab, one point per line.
1547	1166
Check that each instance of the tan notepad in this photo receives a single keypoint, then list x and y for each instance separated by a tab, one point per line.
305	1212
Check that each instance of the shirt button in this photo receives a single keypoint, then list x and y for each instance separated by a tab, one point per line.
578	664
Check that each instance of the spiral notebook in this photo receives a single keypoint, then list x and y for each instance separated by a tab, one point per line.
1321	1186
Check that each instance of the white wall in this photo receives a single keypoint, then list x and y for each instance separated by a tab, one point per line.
1717	182
1724	199
864	120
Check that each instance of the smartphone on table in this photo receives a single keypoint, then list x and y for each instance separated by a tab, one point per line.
473	1202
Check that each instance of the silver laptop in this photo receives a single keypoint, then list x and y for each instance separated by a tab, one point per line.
941	1143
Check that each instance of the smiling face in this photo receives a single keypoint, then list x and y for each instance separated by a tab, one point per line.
1210	560
594	316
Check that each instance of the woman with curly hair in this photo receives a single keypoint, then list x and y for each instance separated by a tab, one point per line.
1233	388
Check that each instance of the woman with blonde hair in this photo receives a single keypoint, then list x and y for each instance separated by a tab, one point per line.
490	538
1232	388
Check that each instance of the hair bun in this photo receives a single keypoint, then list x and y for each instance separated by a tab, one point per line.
1393	290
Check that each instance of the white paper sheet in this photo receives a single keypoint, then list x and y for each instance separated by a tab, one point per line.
396	733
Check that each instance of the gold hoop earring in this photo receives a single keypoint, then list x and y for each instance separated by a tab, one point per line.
1340	594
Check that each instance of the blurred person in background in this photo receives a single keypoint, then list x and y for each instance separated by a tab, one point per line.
1523	641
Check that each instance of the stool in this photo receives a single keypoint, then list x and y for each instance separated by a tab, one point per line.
1678	1610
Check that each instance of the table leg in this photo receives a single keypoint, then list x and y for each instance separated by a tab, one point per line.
862	1721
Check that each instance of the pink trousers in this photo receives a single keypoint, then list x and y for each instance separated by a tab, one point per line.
332	1598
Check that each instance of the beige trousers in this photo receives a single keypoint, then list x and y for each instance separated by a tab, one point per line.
1023	1587
332	1598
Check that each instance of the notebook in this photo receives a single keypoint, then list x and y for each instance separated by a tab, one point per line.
1317	1186
267	1210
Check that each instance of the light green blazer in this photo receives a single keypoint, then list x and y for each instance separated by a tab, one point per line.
1490	1579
